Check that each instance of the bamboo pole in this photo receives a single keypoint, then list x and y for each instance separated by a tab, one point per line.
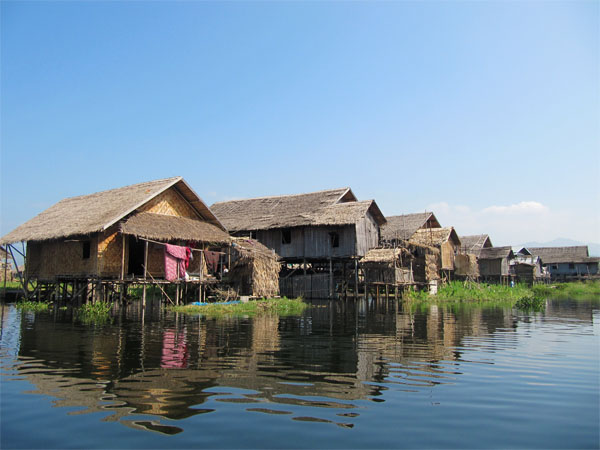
145	272
122	268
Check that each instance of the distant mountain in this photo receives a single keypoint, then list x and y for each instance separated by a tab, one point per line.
594	249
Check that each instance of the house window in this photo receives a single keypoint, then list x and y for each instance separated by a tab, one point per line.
335	239
86	249
571	266
286	236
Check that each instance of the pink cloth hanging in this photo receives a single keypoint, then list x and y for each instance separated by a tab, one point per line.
175	256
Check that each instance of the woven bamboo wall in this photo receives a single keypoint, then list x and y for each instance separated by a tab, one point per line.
447	249
110	253
50	259
466	265
170	203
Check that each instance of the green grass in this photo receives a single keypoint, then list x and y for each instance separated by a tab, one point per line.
10	285
458	291
576	290
94	313
28	305
280	306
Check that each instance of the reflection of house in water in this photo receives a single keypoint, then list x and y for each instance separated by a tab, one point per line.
181	366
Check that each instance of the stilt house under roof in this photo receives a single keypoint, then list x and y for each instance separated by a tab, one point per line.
317	225
96	235
445	239
494	262
403	227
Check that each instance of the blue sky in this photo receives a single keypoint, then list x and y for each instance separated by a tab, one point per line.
486	112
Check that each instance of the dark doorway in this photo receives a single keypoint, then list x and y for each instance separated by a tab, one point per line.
136	257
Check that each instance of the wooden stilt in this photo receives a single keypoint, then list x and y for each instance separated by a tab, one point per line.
122	268
145	271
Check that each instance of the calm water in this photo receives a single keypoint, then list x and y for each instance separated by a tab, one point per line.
345	375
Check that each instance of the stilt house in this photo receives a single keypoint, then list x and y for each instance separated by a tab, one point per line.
445	239
565	263
466	265
319	236
401	228
105	235
494	263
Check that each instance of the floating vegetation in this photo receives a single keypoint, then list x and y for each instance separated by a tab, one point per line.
96	313
531	303
28	305
280	306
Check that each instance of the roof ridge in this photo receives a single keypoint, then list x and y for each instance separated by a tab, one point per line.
284	195
170	179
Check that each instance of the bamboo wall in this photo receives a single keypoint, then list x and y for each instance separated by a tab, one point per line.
48	260
447	249
110	253
170	203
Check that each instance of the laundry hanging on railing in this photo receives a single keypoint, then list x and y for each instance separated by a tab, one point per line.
212	260
177	260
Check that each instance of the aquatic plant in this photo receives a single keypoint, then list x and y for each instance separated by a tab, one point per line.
97	313
28	305
531	302
280	306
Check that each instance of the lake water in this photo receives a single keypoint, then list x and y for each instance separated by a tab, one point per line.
362	374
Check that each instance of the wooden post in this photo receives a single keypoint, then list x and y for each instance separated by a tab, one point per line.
330	278
122	268
145	271
355	279
5	269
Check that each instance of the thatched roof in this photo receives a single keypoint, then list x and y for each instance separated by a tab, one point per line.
167	228
331	207
496	253
473	244
92	213
254	248
555	255
382	255
435	236
404	226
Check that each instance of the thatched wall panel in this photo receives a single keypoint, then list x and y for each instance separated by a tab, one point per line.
170	203
50	259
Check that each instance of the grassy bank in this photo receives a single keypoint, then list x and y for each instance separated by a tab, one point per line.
280	306
576	290
458	291
522	296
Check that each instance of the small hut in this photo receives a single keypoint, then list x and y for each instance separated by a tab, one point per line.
444	239
388	266
401	228
494	263
254	269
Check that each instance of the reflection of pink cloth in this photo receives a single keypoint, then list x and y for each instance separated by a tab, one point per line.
175	256
174	350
